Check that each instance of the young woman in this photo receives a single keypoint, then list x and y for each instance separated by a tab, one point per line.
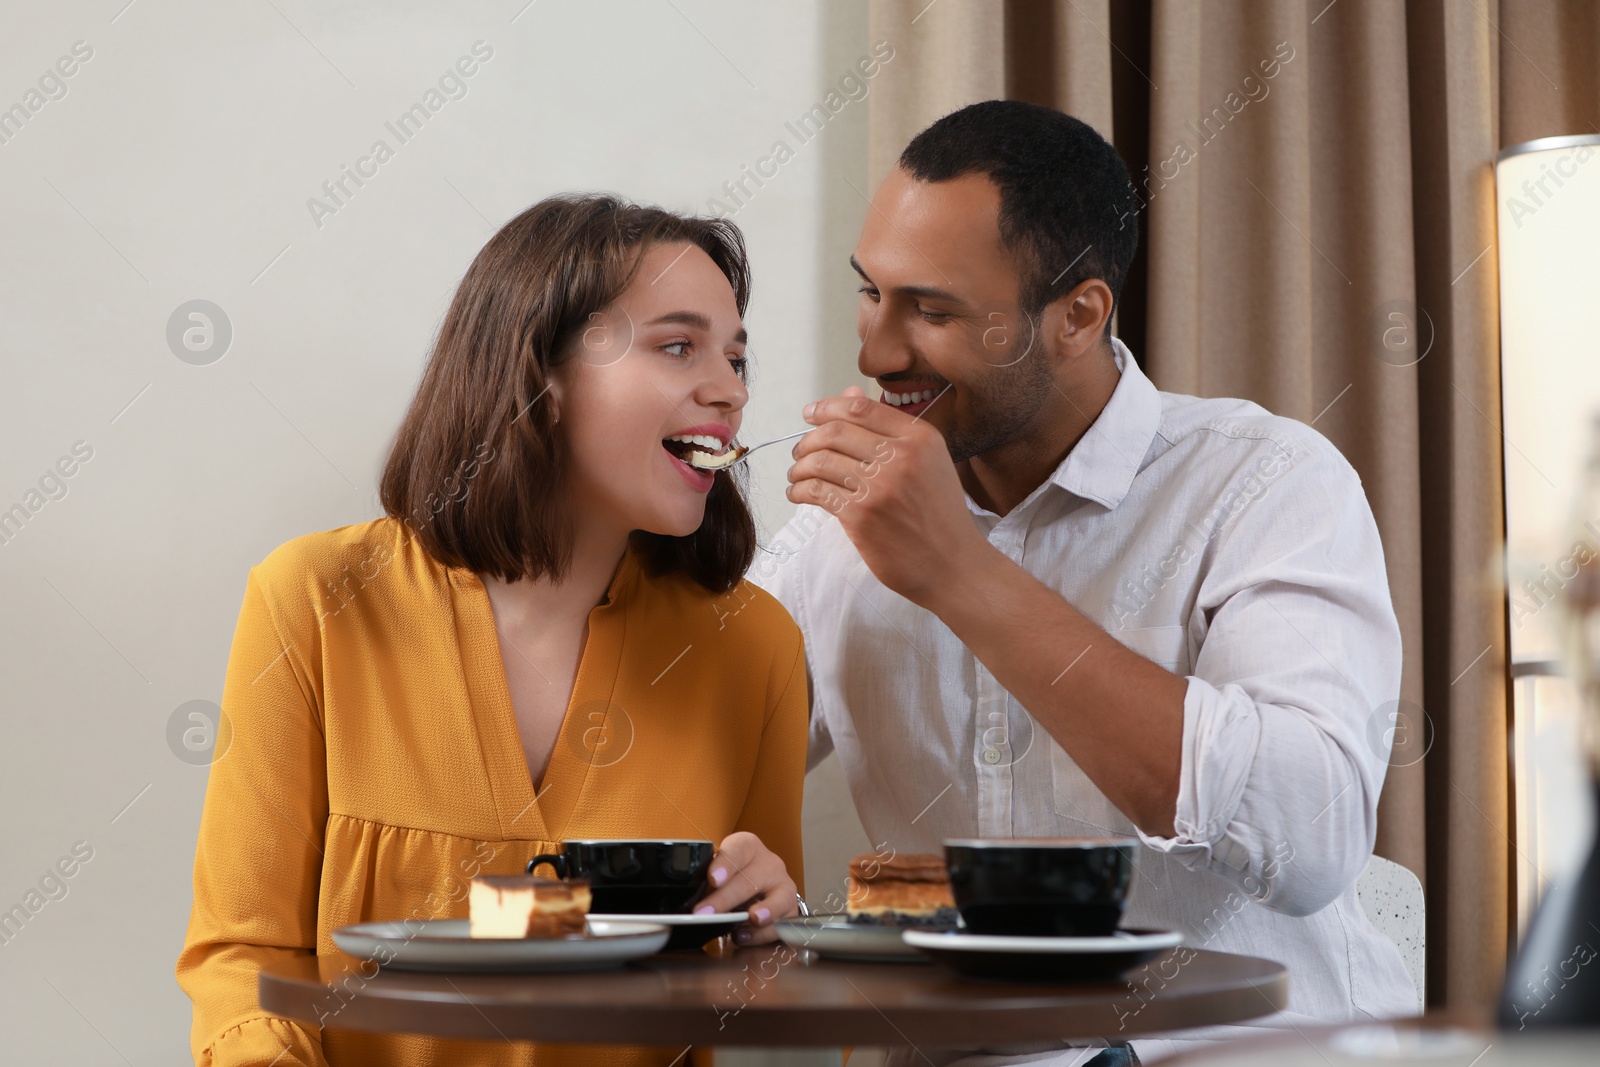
546	638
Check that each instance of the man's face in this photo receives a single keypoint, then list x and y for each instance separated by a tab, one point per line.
940	325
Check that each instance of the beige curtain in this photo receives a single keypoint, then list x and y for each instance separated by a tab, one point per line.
1322	243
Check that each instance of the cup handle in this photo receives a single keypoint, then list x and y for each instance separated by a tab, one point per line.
556	860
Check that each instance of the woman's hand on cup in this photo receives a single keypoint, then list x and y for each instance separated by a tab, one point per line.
746	875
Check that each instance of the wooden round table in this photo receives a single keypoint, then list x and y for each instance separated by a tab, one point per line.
774	997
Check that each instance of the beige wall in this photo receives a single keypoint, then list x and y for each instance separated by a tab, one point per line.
177	166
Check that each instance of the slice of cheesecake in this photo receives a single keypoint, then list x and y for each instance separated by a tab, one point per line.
910	890
521	905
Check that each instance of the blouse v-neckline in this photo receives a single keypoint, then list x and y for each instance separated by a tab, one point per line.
522	813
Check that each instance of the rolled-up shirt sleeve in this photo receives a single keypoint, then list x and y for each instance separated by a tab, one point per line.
1289	714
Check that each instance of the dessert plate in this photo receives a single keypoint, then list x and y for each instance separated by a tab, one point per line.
687	931
1059	959
443	945
833	937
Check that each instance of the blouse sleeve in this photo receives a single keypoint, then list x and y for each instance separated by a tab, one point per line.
772	807
258	860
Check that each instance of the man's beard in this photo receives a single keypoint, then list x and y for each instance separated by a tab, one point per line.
999	406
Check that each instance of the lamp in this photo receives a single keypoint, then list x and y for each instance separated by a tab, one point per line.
1548	194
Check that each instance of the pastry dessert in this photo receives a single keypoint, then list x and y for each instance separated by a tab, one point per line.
703	451
521	905
708	462
911	890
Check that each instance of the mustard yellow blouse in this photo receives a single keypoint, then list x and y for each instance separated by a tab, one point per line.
375	765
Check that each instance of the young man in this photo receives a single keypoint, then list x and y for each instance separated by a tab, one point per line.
1056	602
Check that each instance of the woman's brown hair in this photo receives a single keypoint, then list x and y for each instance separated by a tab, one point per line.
478	469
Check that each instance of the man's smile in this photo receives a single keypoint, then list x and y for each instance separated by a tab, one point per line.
913	398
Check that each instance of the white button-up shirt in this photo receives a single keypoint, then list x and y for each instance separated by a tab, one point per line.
1221	542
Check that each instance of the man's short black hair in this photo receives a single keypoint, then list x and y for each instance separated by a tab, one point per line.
1067	211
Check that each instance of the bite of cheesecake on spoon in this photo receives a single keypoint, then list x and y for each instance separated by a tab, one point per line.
707	462
700	452
704	451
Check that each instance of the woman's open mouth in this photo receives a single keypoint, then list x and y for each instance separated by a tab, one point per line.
686	451
704	453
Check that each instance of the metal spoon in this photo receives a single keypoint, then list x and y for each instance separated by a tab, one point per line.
736	455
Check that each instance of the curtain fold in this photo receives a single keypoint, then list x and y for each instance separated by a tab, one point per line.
1318	237
1549	79
1453	118
954	55
1058	52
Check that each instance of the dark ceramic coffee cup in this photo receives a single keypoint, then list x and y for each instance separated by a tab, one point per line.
1041	887
648	877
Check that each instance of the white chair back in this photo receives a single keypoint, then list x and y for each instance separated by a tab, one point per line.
1392	898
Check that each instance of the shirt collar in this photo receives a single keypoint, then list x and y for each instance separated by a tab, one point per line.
625	578
1102	465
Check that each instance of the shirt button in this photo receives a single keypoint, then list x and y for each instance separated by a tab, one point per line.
991	755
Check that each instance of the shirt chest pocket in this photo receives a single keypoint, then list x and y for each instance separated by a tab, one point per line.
1083	809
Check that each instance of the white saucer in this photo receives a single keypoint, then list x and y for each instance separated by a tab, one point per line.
1046	959
1121	941
715	918
688	932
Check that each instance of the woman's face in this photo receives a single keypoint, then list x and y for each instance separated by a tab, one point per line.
662	361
